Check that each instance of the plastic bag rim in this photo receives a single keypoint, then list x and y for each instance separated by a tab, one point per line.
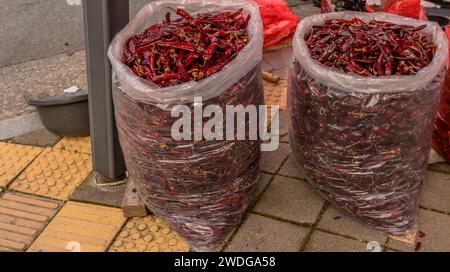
370	85
146	91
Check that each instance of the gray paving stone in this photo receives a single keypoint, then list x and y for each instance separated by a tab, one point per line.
436	227
335	221
264	179
325	242
262	234
436	192
291	169
400	246
279	59
284	123
284	139
271	161
306	10
41	137
290	199
44	76
440	167
91	193
12	127
283	73
294	3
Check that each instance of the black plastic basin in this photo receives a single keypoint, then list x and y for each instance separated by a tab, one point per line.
66	115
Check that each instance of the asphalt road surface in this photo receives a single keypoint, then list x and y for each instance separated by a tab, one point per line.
33	29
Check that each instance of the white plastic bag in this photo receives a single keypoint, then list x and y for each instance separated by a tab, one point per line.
201	188
363	142
370	85
142	90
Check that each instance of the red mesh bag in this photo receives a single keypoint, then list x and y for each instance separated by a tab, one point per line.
279	21
407	8
441	133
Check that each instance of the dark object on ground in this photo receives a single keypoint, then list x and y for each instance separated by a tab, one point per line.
65	115
442	21
132	204
342	5
41	137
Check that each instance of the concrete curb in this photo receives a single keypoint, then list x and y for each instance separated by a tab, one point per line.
20	125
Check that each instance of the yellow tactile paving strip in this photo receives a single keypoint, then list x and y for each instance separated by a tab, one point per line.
148	234
13	159
22	218
92	227
276	93
76	144
54	173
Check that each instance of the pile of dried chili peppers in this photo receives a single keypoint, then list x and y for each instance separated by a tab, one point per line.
366	153
375	48
188	48
201	188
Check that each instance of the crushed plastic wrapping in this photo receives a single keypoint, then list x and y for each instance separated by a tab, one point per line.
363	142
201	188
408	8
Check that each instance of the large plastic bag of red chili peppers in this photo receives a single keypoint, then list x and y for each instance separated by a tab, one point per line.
201	188
360	126
441	133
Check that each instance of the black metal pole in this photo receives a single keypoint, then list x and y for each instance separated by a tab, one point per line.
102	20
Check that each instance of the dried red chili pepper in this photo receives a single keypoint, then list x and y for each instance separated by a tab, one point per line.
204	40
202	188
364	152
375	48
418	246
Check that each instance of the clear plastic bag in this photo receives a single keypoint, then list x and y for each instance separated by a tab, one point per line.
363	142
210	87
201	188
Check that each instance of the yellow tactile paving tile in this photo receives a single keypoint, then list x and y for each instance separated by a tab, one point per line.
13	159
22	218
91	227
54	173
148	234
77	144
276	93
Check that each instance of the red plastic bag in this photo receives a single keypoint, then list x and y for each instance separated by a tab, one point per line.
407	8
441	133
279	21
